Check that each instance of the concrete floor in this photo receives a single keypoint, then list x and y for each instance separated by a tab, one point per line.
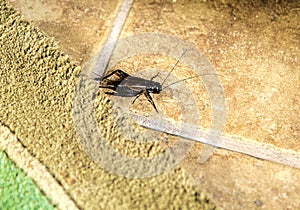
254	46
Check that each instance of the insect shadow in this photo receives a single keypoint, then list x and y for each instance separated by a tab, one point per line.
126	85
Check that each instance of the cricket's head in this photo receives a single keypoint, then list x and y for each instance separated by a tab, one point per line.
155	88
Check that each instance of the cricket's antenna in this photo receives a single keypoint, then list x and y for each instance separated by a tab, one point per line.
174	66
189	78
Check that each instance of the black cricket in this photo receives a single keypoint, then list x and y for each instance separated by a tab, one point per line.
129	86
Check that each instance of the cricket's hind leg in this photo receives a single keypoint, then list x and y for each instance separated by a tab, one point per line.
118	72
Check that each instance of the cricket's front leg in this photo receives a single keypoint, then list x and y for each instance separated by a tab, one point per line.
138	95
156	75
148	96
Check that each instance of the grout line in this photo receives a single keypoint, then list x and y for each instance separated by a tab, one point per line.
34	169
260	150
234	143
105	54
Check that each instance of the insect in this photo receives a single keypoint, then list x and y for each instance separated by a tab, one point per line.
129	86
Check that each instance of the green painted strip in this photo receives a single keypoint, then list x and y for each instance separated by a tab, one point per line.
17	191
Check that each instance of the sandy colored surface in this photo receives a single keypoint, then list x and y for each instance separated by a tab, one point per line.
254	45
37	85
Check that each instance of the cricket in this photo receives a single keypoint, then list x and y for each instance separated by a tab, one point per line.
130	86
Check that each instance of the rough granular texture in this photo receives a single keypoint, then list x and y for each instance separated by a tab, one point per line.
37	85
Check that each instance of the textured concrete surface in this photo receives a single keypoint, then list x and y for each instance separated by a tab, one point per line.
253	44
37	85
